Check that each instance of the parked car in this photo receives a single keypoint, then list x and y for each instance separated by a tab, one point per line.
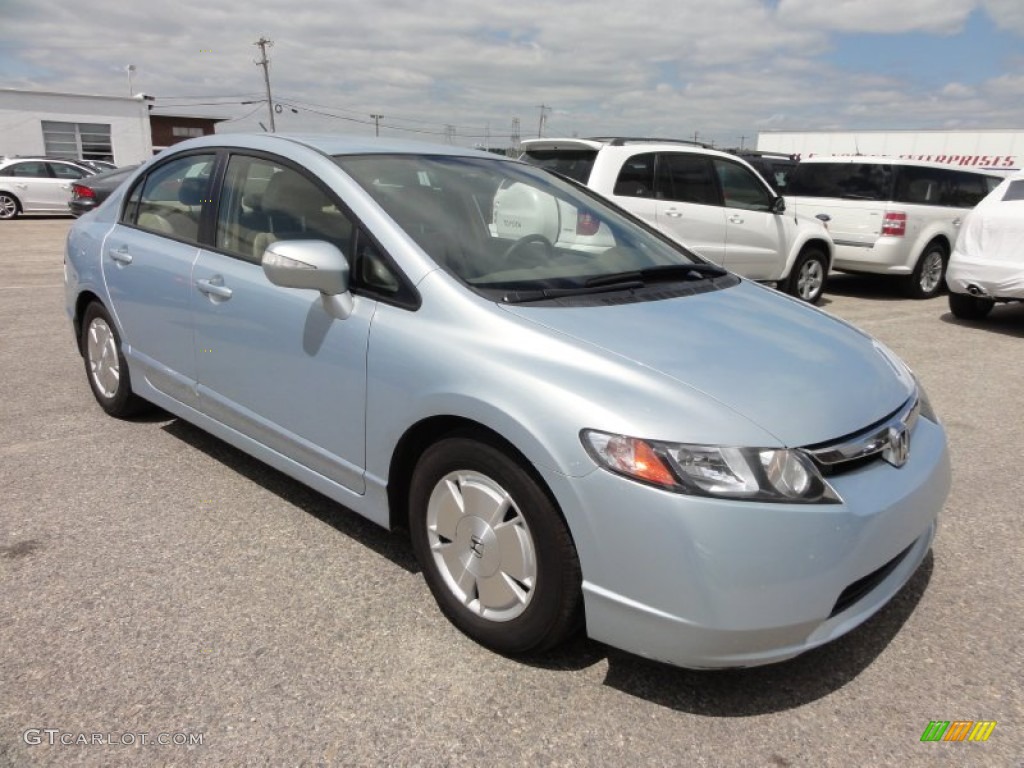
987	265
690	465
97	166
889	216
90	192
36	185
712	202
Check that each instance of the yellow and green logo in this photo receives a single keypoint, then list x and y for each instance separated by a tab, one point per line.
958	730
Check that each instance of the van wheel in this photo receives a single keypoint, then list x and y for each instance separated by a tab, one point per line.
807	279
495	551
929	274
968	307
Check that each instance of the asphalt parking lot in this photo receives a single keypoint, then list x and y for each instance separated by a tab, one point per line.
154	580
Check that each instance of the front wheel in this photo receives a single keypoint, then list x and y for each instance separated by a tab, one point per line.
495	551
929	273
807	279
968	307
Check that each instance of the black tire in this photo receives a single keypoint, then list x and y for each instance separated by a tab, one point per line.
807	279
100	344
461	466
968	307
929	275
9	206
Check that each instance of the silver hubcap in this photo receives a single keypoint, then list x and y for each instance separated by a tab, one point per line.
101	352
931	271
810	279
481	545
7	207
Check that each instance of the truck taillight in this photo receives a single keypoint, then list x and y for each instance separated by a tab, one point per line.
587	224
894	224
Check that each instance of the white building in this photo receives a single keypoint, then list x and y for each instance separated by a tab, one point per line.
74	126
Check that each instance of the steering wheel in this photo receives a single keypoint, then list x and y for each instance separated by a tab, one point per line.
549	249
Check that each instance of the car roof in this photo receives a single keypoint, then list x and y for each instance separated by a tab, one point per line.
624	143
332	144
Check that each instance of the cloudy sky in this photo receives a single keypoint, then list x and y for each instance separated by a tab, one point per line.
723	69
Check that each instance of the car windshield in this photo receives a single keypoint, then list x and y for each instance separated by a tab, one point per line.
850	181
517	232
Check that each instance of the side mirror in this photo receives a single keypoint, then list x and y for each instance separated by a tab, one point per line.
311	264
779	206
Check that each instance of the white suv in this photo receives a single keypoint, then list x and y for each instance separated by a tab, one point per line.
889	216
712	202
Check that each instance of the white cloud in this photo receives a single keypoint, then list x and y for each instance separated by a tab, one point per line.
882	16
1008	14
722	69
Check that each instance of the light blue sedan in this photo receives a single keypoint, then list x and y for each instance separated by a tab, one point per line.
579	422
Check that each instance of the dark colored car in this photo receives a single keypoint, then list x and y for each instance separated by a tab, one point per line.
89	192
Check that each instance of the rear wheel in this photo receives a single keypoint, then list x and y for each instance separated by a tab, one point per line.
807	280
929	273
105	365
968	307
495	551
8	206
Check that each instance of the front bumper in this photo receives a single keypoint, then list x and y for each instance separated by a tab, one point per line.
707	583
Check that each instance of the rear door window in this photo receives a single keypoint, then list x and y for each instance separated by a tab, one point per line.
848	181
171	198
687	178
574	163
636	178
1015	191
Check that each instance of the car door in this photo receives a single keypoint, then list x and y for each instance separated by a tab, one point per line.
272	363
147	265
59	193
32	184
756	238
688	205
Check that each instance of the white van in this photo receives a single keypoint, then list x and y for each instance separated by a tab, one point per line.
889	216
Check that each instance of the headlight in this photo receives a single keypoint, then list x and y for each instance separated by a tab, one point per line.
755	474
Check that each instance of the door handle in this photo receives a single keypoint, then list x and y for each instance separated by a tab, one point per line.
213	289
956	221
674	214
121	255
734	219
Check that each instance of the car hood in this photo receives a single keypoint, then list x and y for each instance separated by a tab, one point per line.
795	371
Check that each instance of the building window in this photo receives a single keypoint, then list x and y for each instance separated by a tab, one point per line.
186	133
86	141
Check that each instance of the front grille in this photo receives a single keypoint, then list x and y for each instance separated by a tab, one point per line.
852	452
861	587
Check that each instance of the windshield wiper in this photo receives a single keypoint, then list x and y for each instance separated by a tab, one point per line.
664	273
621	281
541	294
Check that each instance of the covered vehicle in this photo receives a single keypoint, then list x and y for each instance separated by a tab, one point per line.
987	265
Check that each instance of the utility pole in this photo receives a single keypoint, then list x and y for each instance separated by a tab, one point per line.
263	61
449	133
130	69
376	124
544	109
514	138
742	140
